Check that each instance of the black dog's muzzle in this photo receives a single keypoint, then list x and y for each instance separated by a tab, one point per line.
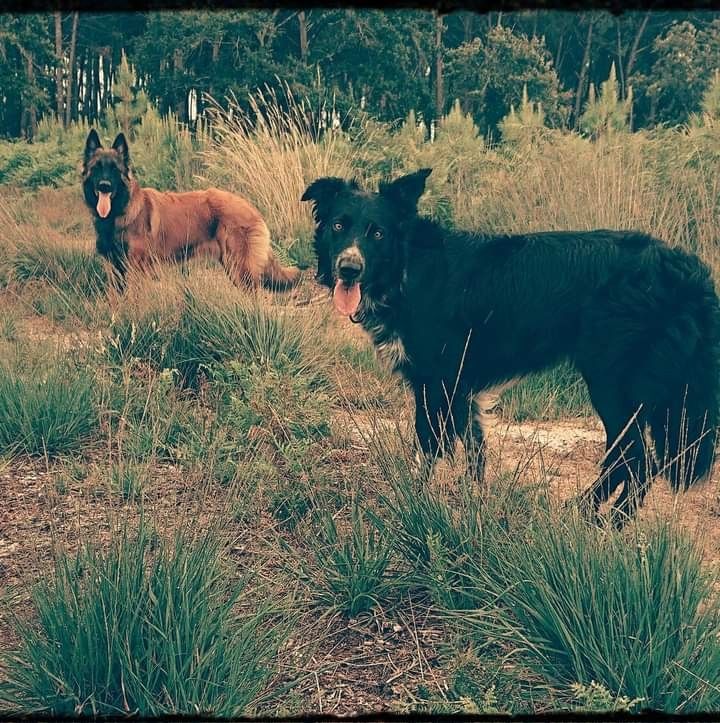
350	265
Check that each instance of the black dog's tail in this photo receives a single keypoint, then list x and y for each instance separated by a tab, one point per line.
685	426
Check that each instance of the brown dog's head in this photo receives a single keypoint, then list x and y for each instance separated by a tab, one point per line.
106	176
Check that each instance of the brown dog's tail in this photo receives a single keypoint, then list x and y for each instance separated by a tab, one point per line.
279	277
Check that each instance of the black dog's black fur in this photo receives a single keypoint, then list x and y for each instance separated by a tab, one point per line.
460	313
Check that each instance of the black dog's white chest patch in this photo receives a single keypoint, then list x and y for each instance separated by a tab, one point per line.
388	344
392	352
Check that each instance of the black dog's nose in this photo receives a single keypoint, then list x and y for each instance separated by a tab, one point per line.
350	269
104	186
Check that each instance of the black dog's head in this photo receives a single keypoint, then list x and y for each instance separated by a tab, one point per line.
358	240
106	175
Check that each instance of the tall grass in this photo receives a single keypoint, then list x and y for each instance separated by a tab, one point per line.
350	569
270	155
190	326
147	628
70	269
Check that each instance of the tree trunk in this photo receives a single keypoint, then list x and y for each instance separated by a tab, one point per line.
620	55
106	98
59	94
439	84
580	91
632	57
29	111
559	55
180	97
302	22
86	73
95	86
468	24
71	94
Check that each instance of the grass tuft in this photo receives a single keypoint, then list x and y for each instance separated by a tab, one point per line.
46	408
146	628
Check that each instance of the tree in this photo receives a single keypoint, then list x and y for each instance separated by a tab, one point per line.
608	113
25	50
129	102
526	124
488	76
685	61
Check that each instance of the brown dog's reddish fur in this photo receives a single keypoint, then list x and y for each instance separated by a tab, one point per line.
162	225
144	225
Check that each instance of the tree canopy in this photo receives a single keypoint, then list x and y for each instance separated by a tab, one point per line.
385	63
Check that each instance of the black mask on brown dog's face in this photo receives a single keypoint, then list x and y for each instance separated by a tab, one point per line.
106	175
358	240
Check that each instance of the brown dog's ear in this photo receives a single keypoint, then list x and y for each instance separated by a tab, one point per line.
406	190
91	145
323	192
121	146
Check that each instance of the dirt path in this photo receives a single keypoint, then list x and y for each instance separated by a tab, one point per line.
565	455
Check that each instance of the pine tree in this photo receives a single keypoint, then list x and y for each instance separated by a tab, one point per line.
130	102
526	124
606	114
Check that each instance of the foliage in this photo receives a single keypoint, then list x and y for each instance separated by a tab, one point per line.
490	75
608	113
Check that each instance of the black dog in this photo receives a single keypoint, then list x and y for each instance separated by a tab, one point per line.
460	313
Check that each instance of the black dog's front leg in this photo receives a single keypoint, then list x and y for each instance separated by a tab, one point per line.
430	413
441	415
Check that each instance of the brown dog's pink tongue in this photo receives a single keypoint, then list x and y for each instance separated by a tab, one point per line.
103	205
346	298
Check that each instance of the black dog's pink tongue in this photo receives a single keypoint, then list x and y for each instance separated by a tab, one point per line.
103	205
346	298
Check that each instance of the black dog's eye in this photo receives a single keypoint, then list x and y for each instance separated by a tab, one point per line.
337	226
378	235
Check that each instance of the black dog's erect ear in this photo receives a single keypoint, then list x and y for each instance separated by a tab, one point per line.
121	146
406	190
91	145
323	191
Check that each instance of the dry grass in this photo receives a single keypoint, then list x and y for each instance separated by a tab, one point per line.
271	155
628	181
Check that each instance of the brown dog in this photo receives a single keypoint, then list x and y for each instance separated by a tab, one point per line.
136	226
